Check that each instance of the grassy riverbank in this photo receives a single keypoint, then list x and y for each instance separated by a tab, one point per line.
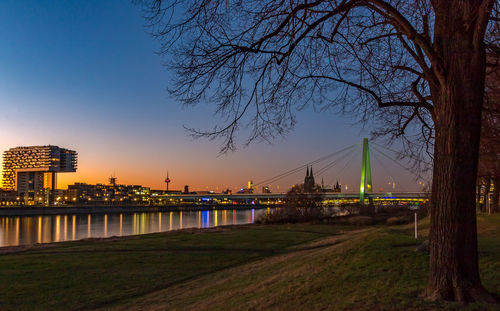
248	267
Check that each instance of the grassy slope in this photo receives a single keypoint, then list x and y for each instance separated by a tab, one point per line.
86	275
373	269
254	267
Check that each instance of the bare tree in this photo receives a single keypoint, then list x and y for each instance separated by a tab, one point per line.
417	67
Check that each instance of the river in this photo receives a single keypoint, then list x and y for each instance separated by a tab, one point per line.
26	230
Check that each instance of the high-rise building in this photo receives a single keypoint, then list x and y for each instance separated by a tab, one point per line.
112	180
29	170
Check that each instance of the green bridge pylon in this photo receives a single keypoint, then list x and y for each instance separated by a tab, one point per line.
366	173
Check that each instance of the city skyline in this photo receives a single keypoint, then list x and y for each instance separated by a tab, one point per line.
86	76
235	154
347	158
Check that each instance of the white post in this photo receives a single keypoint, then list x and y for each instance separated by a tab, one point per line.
416	226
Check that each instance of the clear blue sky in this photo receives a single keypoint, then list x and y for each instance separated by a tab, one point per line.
84	75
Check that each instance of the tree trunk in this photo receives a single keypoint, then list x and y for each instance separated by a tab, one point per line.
496	195
454	270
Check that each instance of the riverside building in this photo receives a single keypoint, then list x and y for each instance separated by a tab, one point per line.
83	193
31	171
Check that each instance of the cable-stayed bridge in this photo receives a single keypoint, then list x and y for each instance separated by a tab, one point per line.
340	159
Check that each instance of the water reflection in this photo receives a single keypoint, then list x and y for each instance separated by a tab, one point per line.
25	230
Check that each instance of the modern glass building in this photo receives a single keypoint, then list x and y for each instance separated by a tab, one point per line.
29	170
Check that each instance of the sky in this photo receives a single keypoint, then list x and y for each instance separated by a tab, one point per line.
84	75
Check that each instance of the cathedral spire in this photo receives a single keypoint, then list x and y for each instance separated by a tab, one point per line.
311	178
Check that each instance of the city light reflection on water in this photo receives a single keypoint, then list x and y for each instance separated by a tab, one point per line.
25	230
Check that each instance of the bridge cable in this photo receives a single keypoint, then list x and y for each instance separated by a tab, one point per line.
402	166
335	162
385	155
399	153
295	170
288	173
383	166
345	166
402	184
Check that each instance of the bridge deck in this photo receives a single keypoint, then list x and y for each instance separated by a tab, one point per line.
278	196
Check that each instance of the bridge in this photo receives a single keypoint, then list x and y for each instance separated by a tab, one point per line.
364	195
279	198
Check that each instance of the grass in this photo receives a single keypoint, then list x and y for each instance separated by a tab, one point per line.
287	267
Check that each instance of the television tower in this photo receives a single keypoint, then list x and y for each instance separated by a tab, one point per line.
167	181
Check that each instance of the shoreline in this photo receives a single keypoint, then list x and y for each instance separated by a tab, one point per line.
45	211
13	249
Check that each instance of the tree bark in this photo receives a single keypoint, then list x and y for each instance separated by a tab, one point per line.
454	270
